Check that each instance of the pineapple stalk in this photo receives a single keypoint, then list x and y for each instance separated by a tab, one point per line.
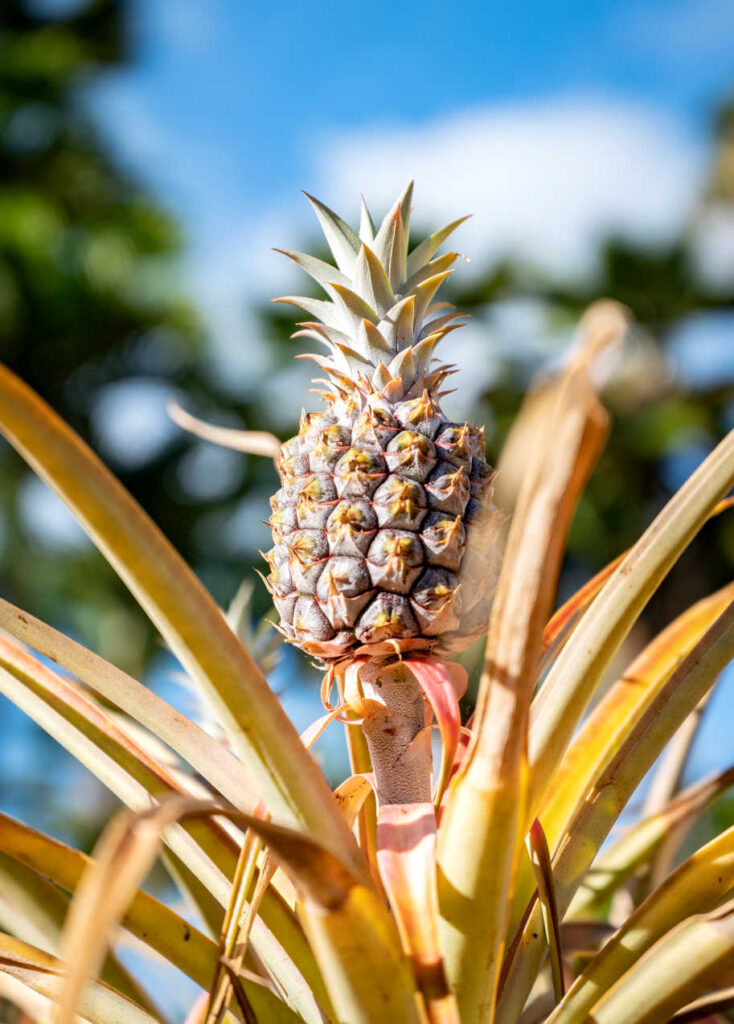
394	724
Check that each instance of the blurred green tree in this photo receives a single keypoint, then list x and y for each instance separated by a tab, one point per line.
91	312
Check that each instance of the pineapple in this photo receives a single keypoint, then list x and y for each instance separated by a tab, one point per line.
383	526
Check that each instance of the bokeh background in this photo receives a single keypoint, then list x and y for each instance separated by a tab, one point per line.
151	155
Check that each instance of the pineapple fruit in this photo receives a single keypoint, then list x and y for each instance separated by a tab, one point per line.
383	526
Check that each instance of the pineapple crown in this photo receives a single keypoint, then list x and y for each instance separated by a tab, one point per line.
380	294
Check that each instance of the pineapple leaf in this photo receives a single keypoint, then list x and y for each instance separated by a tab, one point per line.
327	312
439	323
39	980
397	324
187	617
342	240
423	351
34	909
321	272
424	293
254	442
370	281
668	977
436	266
123	856
542	866
406	842
356	362
322	332
372	343
390	247
697	886
403	366
638	845
75	721
578	669
343	916
423	252
442	687
206	755
354	306
487	797
351	796
366	225
405	200
565	620
151	921
589	827
612	720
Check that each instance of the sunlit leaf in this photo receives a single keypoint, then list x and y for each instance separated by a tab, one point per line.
171	936
541	861
487	797
406	840
187	617
611	721
577	671
253	442
43	974
591	824
684	964
205	754
204	847
639	843
34	910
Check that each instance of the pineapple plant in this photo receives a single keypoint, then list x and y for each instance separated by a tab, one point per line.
380	526
473	891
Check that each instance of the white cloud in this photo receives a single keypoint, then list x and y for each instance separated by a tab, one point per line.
544	180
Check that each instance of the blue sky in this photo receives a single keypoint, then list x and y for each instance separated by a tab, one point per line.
242	95
553	123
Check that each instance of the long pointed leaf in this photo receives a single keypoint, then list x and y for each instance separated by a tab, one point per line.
44	974
203	846
342	240
423	252
34	910
253	442
124	855
350	931
406	837
349	928
699	884
603	805
207	755
611	721
640	842
486	799
187	617
540	857
684	964
577	671
163	930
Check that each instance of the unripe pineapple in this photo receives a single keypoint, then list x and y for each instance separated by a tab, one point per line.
383	525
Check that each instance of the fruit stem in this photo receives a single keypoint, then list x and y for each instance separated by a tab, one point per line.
395	726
